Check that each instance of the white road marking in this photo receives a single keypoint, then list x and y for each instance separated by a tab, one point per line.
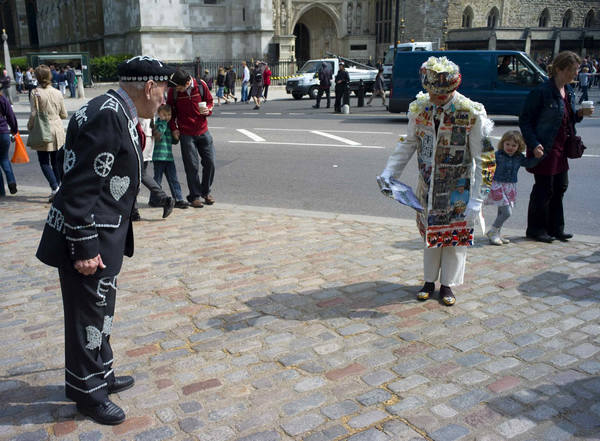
228	113
309	144
334	137
329	131
591	156
251	113
291	113
252	136
273	113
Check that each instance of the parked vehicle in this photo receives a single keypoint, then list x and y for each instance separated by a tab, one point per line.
307	82
500	80
388	59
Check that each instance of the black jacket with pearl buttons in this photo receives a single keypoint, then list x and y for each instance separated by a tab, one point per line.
91	212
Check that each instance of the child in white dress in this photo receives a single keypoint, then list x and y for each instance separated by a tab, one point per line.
503	194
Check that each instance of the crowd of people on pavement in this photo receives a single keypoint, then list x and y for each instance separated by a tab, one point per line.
63	78
254	85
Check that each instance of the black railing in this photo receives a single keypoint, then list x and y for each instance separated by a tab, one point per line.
280	69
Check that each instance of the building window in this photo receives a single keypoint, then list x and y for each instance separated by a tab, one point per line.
567	18
383	21
544	19
349	18
467	17
493	18
358	47
210	2
589	19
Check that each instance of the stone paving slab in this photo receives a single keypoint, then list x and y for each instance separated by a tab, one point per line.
248	324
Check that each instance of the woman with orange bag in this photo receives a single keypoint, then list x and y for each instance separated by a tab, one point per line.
8	125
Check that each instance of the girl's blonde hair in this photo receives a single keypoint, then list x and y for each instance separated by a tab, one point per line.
513	135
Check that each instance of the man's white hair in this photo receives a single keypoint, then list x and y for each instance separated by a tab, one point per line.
135	85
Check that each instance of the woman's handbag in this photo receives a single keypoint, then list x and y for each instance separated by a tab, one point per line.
574	146
40	133
20	156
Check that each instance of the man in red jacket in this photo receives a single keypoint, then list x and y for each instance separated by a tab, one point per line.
191	103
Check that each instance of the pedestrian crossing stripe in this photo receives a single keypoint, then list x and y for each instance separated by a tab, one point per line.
286	77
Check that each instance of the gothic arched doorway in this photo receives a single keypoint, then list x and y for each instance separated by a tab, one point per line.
302	43
316	34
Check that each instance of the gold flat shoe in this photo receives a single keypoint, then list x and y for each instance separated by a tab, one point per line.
422	295
449	300
425	292
446	296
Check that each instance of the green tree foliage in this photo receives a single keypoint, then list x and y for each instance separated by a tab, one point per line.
105	68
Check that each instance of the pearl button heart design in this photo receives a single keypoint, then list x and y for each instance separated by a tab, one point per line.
118	186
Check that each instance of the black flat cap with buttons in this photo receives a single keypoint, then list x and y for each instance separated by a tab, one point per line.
144	68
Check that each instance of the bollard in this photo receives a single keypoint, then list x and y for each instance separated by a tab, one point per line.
80	90
361	94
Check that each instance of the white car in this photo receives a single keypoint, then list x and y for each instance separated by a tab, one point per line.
307	81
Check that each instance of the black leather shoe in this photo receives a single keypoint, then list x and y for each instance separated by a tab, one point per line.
12	187
104	413
563	236
541	237
121	384
168	205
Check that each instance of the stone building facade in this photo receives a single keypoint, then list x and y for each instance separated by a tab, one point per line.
538	27
182	30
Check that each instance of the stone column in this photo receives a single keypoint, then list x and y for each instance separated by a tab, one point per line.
492	42
556	44
527	49
12	95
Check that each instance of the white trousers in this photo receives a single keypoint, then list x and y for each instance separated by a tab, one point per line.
447	263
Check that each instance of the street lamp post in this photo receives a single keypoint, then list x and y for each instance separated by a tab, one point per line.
13	97
445	33
396	24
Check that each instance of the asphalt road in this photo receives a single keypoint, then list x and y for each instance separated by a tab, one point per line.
289	155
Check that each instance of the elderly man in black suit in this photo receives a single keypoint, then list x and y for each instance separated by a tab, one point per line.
88	228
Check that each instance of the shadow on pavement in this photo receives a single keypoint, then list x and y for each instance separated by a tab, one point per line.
553	283
34	225
592	258
371	300
23	404
26	199
570	402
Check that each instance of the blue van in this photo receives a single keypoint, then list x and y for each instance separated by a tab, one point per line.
500	80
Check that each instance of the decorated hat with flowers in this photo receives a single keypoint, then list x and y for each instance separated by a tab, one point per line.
440	76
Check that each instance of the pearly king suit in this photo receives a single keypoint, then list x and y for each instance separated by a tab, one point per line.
90	215
456	163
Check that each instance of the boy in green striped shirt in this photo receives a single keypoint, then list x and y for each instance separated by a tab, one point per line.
162	157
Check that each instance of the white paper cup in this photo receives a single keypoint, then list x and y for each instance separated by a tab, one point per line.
202	104
587	105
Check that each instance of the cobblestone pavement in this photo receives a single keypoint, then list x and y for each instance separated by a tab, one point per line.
254	324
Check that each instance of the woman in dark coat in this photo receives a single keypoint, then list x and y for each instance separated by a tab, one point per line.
230	83
548	120
256	81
